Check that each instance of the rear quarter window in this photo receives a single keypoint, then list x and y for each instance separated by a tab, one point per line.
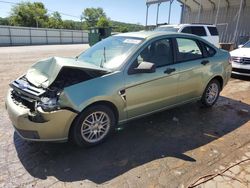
213	31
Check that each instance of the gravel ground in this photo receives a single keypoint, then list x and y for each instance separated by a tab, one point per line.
168	149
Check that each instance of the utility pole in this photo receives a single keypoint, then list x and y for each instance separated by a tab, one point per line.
169	12
157	16
147	16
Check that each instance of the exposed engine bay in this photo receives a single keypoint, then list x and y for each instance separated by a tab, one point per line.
30	96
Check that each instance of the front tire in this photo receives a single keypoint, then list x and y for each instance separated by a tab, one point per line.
211	93
93	126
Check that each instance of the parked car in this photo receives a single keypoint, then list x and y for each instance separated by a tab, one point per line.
241	60
121	78
208	32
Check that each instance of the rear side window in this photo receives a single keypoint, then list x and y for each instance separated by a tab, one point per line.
213	31
209	50
188	49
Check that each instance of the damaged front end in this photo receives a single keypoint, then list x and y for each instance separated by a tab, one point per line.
33	101
44	81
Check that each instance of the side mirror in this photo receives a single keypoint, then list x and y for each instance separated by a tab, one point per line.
240	46
145	67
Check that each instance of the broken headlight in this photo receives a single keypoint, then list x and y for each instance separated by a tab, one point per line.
49	104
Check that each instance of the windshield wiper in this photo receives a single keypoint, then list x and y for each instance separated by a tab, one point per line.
103	58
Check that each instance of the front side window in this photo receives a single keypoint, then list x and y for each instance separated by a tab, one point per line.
110	53
188	49
158	52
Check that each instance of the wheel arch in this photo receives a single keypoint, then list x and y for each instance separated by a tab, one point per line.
109	104
216	77
220	79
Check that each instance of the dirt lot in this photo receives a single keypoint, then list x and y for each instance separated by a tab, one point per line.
168	149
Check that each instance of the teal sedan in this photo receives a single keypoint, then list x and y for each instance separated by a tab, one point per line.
121	78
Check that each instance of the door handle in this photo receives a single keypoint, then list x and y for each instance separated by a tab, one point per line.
169	70
204	62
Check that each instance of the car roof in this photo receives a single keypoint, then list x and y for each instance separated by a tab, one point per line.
152	34
139	34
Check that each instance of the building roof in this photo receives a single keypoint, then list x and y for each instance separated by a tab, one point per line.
194	5
150	2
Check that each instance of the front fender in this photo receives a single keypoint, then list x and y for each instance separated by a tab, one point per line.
105	88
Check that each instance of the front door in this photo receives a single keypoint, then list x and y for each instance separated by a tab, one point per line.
149	92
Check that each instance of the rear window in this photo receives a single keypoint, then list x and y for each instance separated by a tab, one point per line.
213	31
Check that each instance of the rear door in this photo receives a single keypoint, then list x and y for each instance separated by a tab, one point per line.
191	65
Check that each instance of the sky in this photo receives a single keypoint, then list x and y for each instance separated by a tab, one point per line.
130	11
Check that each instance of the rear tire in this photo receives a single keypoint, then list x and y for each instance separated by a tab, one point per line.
93	126
211	93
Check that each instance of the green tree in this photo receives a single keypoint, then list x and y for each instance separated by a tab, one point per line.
4	21
29	14
123	29
92	15
55	21
68	24
103	22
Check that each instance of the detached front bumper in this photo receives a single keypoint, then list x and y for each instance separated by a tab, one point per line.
53	127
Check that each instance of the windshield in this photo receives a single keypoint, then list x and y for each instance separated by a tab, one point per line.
170	29
247	45
110	53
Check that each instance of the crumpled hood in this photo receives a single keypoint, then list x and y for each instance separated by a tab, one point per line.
44	72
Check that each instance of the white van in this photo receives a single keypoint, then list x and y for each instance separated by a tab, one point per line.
206	31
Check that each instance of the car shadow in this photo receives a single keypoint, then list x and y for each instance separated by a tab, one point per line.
167	134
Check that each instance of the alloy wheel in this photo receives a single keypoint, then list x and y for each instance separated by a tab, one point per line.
95	126
212	93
